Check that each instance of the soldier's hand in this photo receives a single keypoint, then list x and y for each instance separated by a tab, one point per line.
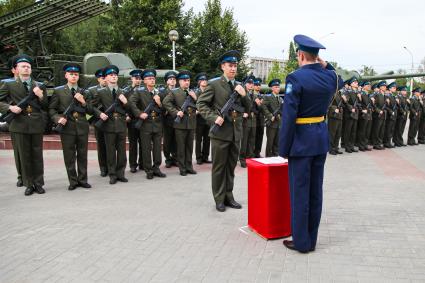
219	121
337	110
239	89
258	101
157	99
353	110
322	62
127	118
373	99
381	112
80	98
143	116
15	109
180	114
192	94
272	119
344	98
62	121
197	112
364	111
38	92
103	116
122	98
245	115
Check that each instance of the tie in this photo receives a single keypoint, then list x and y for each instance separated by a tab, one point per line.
232	87
73	91
114	94
26	86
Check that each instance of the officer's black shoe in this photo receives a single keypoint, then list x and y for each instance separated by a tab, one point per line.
290	245
368	148
123	179
206	161
220	207
199	162
168	165
72	187
159	174
112	180
332	152
183	173
19	183
39	189
243	164
348	150
339	152
149	175
29	191
354	150
232	204
84	185
103	173
362	149
133	169
191	171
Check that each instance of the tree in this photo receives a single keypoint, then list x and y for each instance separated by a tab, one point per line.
367	71
276	72
9	6
292	63
214	32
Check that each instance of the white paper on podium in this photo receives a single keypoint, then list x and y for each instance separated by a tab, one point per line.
271	160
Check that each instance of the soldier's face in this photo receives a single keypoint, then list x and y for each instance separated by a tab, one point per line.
393	89
136	81
112	79
229	70
355	84
249	86
171	82
203	83
404	92
367	87
257	87
149	81
101	81
275	89
383	88
72	77
23	69
184	84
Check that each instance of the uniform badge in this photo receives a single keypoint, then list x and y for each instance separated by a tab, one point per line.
288	89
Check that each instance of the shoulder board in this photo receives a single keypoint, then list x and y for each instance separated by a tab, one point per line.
9	80
39	83
268	94
175	89
214	79
59	87
141	88
92	87
102	88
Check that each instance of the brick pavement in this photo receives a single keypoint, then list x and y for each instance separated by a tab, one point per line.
167	230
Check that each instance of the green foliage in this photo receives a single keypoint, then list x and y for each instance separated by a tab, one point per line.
7	6
276	72
367	71
292	63
215	31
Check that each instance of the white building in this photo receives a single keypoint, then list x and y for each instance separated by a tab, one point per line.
261	67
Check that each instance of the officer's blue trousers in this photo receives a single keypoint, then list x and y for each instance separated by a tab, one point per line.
305	182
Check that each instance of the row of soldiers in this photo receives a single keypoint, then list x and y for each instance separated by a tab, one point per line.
373	116
151	116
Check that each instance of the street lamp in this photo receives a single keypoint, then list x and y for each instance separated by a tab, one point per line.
173	35
411	79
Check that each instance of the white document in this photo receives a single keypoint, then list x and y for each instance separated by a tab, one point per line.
271	160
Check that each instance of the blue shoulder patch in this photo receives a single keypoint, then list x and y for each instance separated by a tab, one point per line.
92	87
268	94
9	80
59	87
174	89
214	79
140	88
288	88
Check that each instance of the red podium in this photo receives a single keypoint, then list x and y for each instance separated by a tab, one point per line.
269	211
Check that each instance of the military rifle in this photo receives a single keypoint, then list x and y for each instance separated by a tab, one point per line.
115	107
188	102
72	107
275	114
151	107
230	105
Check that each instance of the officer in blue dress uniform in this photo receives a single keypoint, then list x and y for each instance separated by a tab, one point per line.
304	139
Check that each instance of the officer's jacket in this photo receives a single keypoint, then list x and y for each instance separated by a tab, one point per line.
140	100
260	116
77	123
391	107
337	103
308	93
200	121
168	119
212	100
254	111
352	103
30	120
379	105
271	104
102	101
414	108
174	102
366	105
403	109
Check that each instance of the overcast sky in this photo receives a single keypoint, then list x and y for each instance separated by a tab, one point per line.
365	32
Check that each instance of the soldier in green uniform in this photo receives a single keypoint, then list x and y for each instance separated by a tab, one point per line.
100	137
271	108
392	110
202	145
185	127
28	125
169	146
365	118
351	115
249	123
75	127
135	144
151	130
421	130
379	115
115	125
260	124
335	114
403	110
226	141
415	116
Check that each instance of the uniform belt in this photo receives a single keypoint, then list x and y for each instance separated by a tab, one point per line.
310	120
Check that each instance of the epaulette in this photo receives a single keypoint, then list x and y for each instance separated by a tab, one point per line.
9	80
59	87
175	89
92	87
140	88
214	79
268	94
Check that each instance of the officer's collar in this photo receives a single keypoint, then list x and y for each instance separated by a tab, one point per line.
228	80
312	66
28	81
72	86
112	87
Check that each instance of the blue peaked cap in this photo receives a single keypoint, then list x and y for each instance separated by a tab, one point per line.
307	44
